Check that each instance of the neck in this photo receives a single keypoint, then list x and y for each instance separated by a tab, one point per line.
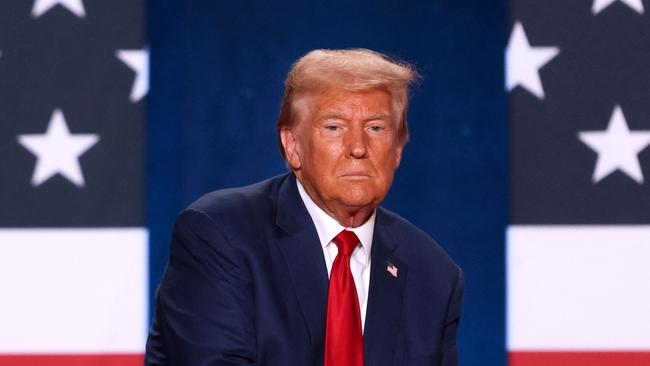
350	218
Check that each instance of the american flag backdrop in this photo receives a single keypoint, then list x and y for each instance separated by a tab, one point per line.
578	244
73	237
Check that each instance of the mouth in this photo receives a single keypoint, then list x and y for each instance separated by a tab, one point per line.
355	176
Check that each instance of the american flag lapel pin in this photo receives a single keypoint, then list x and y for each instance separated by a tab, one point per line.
390	268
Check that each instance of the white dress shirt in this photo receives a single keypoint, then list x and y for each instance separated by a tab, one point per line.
327	228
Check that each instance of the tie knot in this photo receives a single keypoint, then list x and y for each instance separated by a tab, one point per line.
346	241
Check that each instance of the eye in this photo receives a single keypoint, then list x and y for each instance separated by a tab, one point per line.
332	128
376	128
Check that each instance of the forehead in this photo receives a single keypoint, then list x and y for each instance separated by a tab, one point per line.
345	102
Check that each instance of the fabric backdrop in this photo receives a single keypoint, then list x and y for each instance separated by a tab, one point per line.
216	82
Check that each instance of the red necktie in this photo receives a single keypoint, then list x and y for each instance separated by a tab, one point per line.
343	338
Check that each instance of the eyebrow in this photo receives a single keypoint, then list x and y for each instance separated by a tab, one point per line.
376	116
331	116
379	115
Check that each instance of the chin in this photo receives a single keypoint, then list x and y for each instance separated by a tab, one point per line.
355	197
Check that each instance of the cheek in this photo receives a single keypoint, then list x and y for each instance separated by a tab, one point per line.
320	162
326	152
387	155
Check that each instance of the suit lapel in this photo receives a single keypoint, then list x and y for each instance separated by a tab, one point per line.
384	312
303	254
300	247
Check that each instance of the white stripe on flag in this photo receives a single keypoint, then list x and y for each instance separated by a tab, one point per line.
578	288
73	290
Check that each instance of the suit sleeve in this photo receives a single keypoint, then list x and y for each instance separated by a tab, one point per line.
449	347
204	305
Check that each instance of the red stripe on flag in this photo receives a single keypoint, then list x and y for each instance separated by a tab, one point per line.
73	360
579	358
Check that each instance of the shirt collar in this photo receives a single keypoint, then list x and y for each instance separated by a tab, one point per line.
327	227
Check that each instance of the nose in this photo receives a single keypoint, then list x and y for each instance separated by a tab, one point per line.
357	144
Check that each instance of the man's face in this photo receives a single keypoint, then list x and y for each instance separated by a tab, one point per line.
345	148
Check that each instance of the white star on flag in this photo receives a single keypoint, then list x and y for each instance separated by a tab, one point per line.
617	148
42	6
599	5
58	151
523	62
138	61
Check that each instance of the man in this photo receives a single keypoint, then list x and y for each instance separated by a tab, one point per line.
306	268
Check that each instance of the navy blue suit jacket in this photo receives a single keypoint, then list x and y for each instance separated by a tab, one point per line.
247	283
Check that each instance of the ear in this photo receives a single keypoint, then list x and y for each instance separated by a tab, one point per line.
291	147
398	154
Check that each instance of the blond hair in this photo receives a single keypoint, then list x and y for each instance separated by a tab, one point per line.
352	70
